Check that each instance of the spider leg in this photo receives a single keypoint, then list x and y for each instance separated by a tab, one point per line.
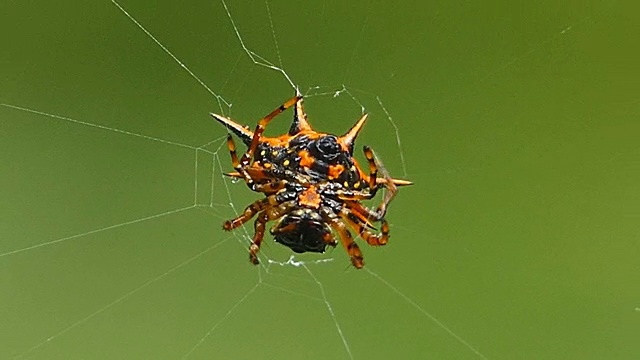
251	175
365	212
374	183
376	165
258	235
373	168
271	187
262	124
256	172
271	212
329	239
360	227
250	211
262	181
353	250
231	145
277	229
357	195
353	195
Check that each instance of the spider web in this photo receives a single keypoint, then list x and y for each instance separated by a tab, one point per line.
127	259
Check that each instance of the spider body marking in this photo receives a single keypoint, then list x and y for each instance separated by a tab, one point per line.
312	185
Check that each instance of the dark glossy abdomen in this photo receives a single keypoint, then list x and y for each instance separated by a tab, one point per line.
307	232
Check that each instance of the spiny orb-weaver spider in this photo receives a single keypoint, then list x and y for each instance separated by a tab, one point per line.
312	185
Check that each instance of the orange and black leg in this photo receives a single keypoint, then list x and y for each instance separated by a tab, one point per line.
373	169
353	250
235	162
362	228
269	214
386	181
250	211
252	176
262	124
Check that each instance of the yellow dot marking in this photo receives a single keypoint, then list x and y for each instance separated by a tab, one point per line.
263	152
274	153
286	163
346	184
267	165
356	185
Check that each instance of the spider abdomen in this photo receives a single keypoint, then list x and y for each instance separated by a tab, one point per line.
303	230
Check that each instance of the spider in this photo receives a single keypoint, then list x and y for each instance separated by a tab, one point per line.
313	186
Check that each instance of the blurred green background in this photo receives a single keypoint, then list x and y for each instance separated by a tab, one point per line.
518	125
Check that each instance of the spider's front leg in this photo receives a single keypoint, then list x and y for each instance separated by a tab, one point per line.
240	170
373	170
262	124
386	181
253	177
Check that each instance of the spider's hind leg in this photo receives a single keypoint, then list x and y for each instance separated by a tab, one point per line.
268	214
258	235
353	250
362	227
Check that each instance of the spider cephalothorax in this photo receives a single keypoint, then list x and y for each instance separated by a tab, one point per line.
313	186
